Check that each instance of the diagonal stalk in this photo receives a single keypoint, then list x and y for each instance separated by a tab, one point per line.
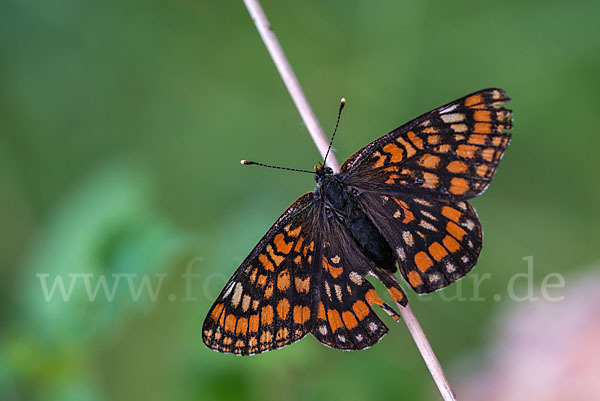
318	136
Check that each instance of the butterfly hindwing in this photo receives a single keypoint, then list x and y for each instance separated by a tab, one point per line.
436	242
267	302
343	296
450	153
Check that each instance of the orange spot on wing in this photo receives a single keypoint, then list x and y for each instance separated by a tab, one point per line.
301	314
423	261
437	251
444	148
429	161
380	161
253	275
451	244
302	285
396	153
466	151
482	115
295	231
253	323
433	139
267	314
430	130
459	185
457	167
372	297
482	128
349	320
477	139
266	337
242	326
392	178
283	307
216	312
418	142
451	213
414	279
283	280
276	258
408	216
396	294
298	246
334	271
269	290
456	231
230	323
266	262
282	334
321	312
488	154
309	247
281	245
334	319
262	280
410	151
360	309
482	170
431	180
473	100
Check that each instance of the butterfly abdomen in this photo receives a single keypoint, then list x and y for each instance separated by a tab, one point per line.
362	230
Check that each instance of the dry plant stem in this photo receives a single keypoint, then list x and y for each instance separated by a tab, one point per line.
426	351
290	80
293	86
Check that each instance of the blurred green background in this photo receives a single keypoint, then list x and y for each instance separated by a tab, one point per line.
122	124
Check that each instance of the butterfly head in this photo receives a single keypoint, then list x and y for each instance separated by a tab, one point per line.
321	172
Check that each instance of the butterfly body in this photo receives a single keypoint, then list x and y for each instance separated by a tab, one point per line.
399	203
341	200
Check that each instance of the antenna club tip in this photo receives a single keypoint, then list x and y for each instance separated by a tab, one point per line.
244	161
343	101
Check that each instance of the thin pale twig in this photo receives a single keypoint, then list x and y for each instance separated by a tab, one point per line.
318	136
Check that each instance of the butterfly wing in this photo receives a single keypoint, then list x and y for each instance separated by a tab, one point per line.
267	302
436	242
343	298
450	153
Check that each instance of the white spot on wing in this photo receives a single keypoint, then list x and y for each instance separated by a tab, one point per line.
408	238
237	295
401	253
426	225
453	118
356	278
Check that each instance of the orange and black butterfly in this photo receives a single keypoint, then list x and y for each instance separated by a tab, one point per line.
399	202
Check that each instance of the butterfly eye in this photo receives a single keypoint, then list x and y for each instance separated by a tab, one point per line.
328	170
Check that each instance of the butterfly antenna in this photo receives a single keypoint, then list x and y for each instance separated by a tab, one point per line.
249	163
342	103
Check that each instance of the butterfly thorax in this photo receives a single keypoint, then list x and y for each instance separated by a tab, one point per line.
341	203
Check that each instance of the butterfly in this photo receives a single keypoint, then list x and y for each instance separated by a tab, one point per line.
399	203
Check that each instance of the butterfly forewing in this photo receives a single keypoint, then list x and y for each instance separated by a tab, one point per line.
267	302
450	153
